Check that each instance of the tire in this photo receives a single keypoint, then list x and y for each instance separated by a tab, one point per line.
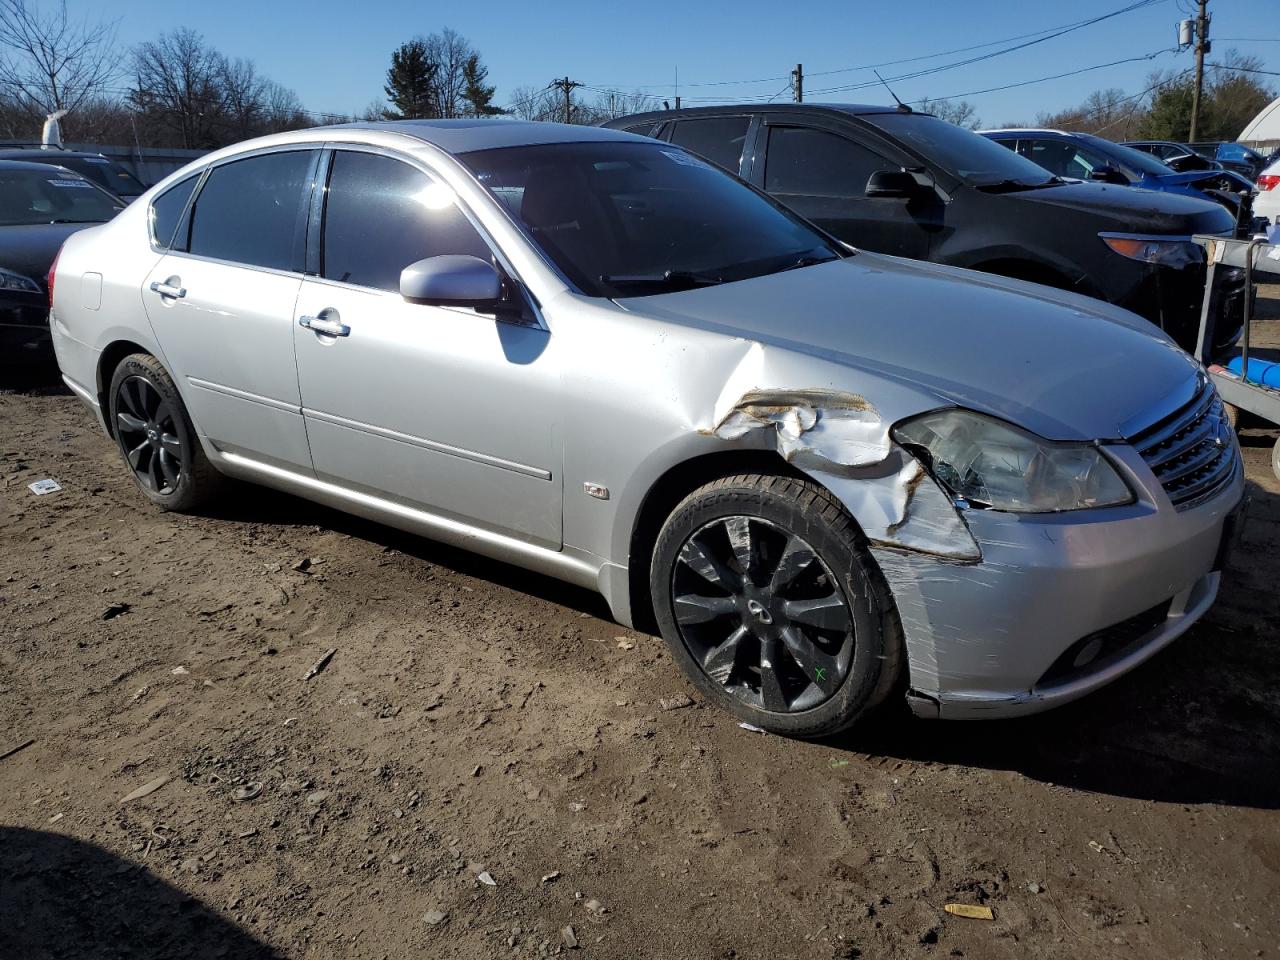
1275	459
744	642
156	438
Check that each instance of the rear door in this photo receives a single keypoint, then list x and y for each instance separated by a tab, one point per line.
822	174
221	303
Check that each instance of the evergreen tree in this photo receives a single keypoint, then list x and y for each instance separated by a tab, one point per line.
477	94
411	82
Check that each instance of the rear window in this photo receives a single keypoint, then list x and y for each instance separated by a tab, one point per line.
252	211
719	139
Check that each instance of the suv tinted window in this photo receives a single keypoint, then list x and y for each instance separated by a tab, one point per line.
166	211
813	163
719	139
250	211
382	215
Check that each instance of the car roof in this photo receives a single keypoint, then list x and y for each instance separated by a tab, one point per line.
853	109
6	164
14	153
1036	130
463	136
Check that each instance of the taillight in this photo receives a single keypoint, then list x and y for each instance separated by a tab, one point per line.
49	277
1269	181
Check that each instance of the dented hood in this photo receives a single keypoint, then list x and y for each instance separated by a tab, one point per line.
1064	366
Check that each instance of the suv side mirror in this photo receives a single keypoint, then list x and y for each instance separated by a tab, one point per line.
891	185
451	280
1108	174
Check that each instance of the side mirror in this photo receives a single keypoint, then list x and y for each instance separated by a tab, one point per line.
891	185
1108	174
451	280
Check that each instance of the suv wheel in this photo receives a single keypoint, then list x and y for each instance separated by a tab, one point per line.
156	438
771	604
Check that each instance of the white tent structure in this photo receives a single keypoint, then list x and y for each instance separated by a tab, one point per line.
1264	129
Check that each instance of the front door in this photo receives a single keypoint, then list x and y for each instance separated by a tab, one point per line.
221	302
444	409
822	175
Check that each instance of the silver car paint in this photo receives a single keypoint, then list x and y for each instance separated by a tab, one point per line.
447	423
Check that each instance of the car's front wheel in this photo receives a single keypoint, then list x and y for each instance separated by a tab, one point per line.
771	604
156	438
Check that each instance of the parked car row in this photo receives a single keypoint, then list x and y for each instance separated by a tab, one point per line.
909	184
828	477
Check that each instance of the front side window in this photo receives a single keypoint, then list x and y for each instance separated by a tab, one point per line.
631	219
381	215
252	211
49	195
803	162
167	210
719	139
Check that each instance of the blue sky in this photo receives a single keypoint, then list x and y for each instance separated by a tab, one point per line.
335	54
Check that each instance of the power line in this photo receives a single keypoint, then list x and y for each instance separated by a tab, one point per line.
1056	76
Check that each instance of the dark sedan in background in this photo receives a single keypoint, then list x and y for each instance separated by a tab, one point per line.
106	173
40	206
1082	156
894	181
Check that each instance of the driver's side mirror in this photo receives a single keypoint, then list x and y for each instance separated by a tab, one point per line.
891	185
451	280
1108	174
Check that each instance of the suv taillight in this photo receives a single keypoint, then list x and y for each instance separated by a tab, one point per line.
49	277
1269	181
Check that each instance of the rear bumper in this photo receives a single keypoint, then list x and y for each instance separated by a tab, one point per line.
997	638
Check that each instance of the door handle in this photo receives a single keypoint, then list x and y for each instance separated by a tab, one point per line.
168	289
326	325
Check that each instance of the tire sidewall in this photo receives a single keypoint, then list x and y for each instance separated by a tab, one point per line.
137	366
842	558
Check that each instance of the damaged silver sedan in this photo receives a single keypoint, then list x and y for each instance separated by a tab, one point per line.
826	477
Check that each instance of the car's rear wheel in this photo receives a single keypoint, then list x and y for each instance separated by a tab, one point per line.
771	604
155	436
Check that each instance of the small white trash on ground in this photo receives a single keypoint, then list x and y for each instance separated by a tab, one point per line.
41	487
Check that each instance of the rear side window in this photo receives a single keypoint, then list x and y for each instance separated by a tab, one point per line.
252	211
167	210
719	139
813	163
382	215
643	129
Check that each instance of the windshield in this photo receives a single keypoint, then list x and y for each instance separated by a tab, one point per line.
962	153
105	173
52	196
1129	158
631	219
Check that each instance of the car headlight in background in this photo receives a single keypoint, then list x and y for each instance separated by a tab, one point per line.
16	281
1175	252
989	463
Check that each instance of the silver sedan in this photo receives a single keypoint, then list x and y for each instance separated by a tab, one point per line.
825	476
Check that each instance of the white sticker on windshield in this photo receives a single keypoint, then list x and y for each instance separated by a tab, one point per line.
72	183
684	158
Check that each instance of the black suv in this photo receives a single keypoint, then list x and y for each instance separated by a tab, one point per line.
894	181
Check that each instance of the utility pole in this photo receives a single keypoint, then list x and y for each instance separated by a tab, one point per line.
567	86
1202	47
797	82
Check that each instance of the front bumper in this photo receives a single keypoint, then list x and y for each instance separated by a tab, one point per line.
24	329
988	639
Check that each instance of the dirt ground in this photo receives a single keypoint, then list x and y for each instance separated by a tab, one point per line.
487	760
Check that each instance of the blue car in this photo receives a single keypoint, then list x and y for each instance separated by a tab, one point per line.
1081	156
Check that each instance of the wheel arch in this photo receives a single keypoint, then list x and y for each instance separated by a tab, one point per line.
110	358
680	480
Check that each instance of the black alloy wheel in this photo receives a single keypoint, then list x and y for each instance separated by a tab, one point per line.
762	614
148	434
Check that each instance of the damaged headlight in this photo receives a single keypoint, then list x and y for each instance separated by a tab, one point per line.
989	463
1174	252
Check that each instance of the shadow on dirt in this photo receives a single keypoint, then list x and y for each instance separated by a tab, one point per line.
1196	724
63	898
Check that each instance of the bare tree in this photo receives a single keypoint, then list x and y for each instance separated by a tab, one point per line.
536	103
449	52
243	95
960	112
49	61
177	88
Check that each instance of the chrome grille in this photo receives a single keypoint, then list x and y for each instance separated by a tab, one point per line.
1192	451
